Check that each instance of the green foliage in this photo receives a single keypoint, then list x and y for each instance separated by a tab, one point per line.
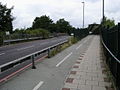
108	22
63	26
53	27
22	33
73	40
5	18
42	22
38	32
58	49
45	33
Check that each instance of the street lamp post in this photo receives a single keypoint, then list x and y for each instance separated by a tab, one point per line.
83	13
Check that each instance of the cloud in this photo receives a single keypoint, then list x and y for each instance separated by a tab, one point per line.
112	10
26	10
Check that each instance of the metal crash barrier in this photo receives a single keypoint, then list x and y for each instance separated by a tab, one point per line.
32	57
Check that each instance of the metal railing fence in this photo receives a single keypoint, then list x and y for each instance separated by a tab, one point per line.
111	43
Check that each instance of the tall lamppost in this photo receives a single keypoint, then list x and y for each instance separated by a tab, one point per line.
83	13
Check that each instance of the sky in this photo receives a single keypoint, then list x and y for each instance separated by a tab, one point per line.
25	11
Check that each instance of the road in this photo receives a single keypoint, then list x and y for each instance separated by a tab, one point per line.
12	52
50	73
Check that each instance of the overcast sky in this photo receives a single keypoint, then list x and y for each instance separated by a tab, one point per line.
25	11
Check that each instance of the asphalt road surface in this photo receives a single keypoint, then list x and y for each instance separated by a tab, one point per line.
50	73
12	52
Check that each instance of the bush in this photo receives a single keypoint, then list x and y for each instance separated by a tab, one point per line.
38	32
73	40
45	33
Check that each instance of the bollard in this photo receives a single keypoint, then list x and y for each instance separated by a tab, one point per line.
48	52
33	62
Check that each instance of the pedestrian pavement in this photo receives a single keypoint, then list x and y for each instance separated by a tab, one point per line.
89	71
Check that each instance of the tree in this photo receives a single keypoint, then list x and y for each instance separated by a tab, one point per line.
63	26
53	28
42	22
108	22
6	18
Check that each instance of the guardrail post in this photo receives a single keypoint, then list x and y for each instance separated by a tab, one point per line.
33	62
48	52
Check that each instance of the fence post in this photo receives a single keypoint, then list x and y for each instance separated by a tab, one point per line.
33	62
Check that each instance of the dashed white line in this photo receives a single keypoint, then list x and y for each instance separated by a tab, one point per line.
85	41
63	59
25	48
54	41
2	53
44	43
38	85
81	44
78	46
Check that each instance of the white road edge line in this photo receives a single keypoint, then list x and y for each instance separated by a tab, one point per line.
2	53
25	48
38	85
85	41
44	43
78	46
81	44
63	59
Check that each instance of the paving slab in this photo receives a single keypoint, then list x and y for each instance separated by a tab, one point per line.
87	72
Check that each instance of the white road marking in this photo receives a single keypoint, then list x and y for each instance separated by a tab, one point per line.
44	43
2	53
38	85
78	46
81	44
63	59
85	41
54	41
25	48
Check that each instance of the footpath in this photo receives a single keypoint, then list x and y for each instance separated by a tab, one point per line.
79	67
88	73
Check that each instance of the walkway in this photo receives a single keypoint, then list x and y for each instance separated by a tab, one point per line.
88	71
63	72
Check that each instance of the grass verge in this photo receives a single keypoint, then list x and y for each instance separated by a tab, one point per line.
60	48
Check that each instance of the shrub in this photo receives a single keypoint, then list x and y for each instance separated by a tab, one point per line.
73	40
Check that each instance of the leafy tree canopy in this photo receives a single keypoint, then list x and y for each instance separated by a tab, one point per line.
42	22
108	22
63	25
6	18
